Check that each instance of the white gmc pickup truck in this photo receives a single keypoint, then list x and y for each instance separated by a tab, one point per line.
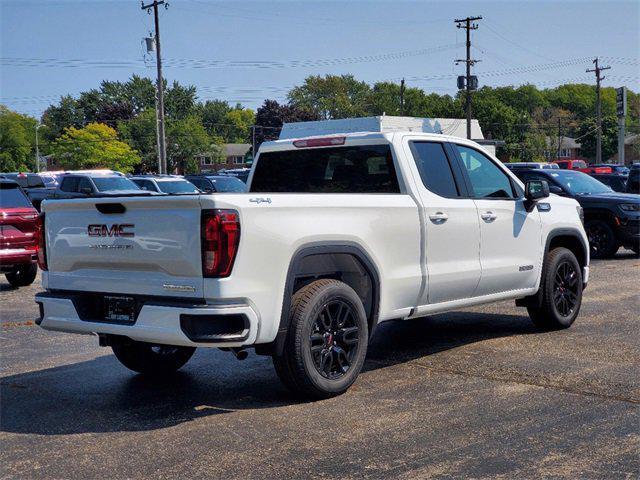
336	234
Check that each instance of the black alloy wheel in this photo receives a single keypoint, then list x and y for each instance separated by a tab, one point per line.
602	239
565	289
334	339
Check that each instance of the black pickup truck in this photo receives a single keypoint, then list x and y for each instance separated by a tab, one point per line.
612	219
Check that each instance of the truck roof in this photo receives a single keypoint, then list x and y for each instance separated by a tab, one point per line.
359	137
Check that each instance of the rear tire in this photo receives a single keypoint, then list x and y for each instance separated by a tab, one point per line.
561	287
326	344
150	358
602	239
23	275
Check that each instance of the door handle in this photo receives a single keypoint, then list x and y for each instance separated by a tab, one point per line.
488	216
438	217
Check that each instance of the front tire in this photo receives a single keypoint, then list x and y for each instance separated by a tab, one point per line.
150	358
327	340
561	286
602	239
23	276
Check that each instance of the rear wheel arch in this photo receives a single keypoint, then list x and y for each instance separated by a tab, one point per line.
344	261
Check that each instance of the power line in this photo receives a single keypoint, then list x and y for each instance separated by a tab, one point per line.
209	64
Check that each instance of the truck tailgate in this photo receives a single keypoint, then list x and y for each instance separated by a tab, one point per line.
133	245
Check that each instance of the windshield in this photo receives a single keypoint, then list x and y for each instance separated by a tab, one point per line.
231	184
12	197
580	183
105	184
177	186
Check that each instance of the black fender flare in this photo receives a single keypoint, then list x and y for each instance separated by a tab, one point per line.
321	248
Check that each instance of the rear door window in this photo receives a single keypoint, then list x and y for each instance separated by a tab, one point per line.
84	185
434	168
69	184
354	169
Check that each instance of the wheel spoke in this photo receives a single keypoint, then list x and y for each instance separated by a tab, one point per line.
342	359
348	336
334	339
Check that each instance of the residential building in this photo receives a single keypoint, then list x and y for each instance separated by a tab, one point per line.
235	157
562	148
631	150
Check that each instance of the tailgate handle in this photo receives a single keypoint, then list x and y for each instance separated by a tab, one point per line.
109	208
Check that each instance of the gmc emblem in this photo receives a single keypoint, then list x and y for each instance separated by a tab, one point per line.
115	230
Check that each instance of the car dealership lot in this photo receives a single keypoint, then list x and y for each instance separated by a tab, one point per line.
476	393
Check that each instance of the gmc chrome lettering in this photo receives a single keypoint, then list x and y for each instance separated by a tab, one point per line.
115	230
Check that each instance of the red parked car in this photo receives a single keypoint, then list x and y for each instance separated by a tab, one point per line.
581	166
19	229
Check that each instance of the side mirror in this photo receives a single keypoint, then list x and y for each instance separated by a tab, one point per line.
535	190
556	189
86	190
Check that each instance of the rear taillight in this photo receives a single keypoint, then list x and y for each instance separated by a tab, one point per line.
220	239
42	244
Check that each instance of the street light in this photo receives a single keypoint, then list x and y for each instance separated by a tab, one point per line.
37	149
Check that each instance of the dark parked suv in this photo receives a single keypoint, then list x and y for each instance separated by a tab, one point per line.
611	219
217	183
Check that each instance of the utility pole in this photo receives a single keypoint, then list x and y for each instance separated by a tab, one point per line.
467	24
162	153
402	97
559	138
597	71
37	148
621	111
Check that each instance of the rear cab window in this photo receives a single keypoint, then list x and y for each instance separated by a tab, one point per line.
348	169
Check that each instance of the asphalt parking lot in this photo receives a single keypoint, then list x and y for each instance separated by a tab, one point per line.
477	393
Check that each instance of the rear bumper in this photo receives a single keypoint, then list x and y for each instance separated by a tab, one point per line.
163	323
10	258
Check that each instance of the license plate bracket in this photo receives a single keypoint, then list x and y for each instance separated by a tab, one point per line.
119	309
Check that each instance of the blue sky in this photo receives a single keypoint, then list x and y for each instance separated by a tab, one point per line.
50	48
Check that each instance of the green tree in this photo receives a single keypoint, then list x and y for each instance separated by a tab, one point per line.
213	114
186	139
17	134
270	117
588	137
94	146
332	96
140	134
239	122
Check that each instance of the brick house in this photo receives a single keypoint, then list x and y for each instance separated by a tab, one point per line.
235	155
568	149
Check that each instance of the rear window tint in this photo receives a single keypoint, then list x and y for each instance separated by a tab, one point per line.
357	169
434	168
11	196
